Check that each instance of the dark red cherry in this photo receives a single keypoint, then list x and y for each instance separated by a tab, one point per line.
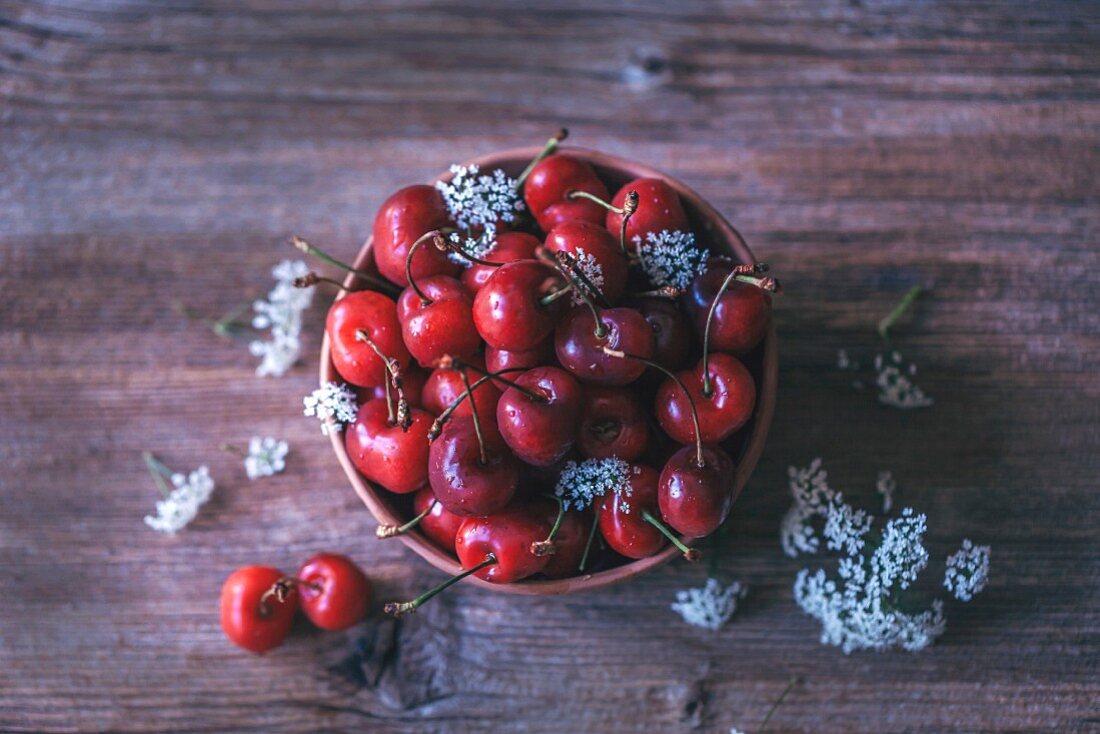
412	382
405	217
500	359
695	500
334	592
385	454
375	314
659	208
580	349
443	326
508	310
728	407
506	535
462	482
439	525
444	386
671	331
509	246
622	523
583	240
613	424
547	189
540	430
741	317
570	540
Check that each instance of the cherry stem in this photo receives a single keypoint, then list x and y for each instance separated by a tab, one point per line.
375	281
282	589
440	243
447	362
767	717
570	261
398	609
891	318
687	393
474	415
311	279
403	417
630	205
692	554
669	292
588	545
555	295
546	547
444	244
437	424
743	273
388	531
550	147
159	471
565	261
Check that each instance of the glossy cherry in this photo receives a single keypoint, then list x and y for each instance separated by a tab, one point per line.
465	482
579	345
508	247
569	540
403	218
741	315
726	408
412	381
354	359
584	240
440	324
549	184
445	386
507	536
622	520
386	454
613	424
251	617
333	592
509	311
540	428
695	499
671	332
502	359
439	524
659	208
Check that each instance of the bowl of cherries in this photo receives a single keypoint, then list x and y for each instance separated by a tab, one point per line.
565	365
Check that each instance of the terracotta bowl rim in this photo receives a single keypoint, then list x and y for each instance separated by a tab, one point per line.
725	238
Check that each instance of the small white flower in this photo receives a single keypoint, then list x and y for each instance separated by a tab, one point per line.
478	247
710	606
845	527
671	258
587	264
843	361
901	554
182	503
266	456
967	570
579	485
282	313
812	497
886	486
895	388
477	201
333	404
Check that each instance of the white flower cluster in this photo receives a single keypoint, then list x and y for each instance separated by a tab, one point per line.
266	456
579	485
282	313
333	404
587	264
859	608
709	606
895	385
967	570
478	203
671	258
182	504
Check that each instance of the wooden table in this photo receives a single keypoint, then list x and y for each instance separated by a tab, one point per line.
162	153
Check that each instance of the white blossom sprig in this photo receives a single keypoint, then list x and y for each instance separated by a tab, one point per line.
967	570
590	267
581	484
895	385
671	258
333	404
477	200
281	312
266	457
710	606
181	502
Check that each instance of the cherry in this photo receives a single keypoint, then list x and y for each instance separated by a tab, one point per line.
436	318
726	407
670	331
509	312
549	184
659	208
250	617
538	416
585	240
439	524
405	217
567	541
695	497
376	316
508	247
621	521
335	594
445	386
501	359
741	311
579	344
507	536
386	454
472	475
613	424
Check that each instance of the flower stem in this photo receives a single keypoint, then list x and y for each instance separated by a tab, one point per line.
692	554
550	147
388	531
588	545
235	450
159	471
226	327
778	701
891	318
397	609
374	280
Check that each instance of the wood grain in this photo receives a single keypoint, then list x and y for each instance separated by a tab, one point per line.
154	153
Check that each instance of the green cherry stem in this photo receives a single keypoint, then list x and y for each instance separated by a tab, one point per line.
630	205
473	414
691	554
744	274
389	531
891	318
398	609
546	547
311	279
550	147
374	280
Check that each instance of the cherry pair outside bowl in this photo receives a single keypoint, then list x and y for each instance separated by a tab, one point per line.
711	230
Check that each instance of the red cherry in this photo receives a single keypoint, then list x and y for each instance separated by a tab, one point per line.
405	217
384	453
582	239
507	536
508	247
613	424
621	518
497	360
728	406
412	382
580	348
444	324
540	430
335	594
569	541
508	310
695	500
741	316
444	386
464	483
547	188
354	359
671	332
439	525
248	619
659	208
